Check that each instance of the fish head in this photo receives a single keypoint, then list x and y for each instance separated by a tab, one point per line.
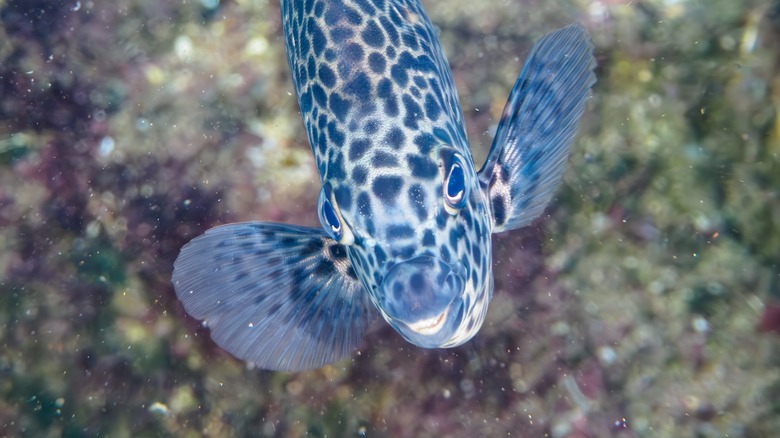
419	241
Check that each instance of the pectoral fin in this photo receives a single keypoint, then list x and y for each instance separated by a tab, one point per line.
529	152
282	297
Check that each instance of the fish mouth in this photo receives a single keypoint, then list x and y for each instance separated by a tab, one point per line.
420	297
429	326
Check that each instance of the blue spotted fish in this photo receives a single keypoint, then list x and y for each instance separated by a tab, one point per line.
406	217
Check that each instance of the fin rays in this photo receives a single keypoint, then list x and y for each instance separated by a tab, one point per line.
282	297
528	155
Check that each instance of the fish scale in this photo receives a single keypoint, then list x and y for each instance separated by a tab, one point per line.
406	217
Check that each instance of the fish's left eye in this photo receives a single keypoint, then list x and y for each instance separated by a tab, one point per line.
454	187
330	217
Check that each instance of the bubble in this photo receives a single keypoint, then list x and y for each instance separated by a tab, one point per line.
107	144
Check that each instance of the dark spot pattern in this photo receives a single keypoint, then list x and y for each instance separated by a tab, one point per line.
327	76
386	93
425	143
422	166
339	106
410	40
395	138
366	7
398	73
392	31
378	99
429	239
498	204
336	136
380	254
399	232
372	35
413	112
341	34
359	86
371	127
353	53
383	159
358	148
319	95
444	251
377	63
343	196
432	108
360	174
364	204
417	200
387	188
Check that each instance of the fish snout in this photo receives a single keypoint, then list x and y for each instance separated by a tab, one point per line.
423	300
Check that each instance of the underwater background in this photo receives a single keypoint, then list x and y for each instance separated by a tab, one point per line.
645	302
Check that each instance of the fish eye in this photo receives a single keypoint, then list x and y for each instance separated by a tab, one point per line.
331	220
454	187
330	217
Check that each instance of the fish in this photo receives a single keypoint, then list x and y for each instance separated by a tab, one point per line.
407	220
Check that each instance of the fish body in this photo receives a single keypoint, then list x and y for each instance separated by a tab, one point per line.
406	217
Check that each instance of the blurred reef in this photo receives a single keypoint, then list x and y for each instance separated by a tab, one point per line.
647	302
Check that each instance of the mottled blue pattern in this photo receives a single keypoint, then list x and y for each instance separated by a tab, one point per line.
396	106
407	219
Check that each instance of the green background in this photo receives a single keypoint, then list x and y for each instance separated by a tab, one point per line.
633	308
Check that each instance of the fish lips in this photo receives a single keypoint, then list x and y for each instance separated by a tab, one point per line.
422	299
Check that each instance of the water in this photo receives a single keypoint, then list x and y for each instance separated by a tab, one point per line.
642	305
